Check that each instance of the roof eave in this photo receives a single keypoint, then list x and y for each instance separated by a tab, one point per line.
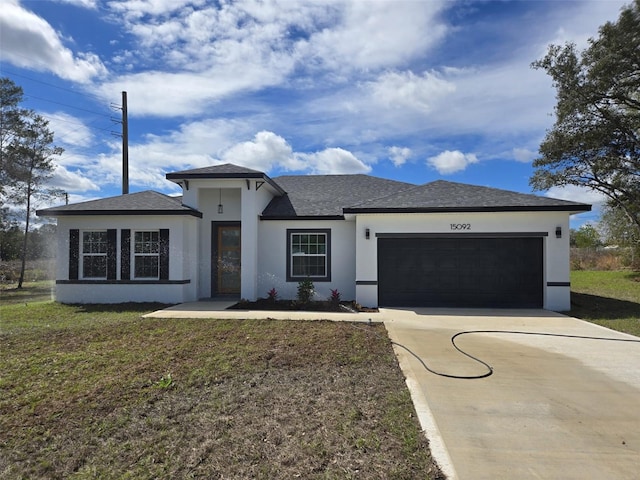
76	213
302	217
548	208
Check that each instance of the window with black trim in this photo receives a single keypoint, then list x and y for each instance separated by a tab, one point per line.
94	254
309	254
146	254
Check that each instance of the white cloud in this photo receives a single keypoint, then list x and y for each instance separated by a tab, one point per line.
216	51
136	9
399	155
69	130
168	94
406	90
193	145
449	162
374	34
68	180
575	193
333	161
264	152
28	41
199	144
268	150
524	155
91	4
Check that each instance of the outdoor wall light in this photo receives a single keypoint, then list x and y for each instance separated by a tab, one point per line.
558	232
220	207
367	233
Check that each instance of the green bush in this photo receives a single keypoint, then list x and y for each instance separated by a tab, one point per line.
305	291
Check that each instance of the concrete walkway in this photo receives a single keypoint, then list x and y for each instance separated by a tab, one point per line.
554	407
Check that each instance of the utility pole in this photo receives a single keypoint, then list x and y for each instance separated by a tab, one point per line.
125	146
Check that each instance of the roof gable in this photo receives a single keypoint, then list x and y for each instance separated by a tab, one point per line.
217	171
147	202
224	171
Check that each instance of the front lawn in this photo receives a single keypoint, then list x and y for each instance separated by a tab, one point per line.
608	298
99	392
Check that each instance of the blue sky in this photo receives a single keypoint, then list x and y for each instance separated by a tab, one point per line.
410	90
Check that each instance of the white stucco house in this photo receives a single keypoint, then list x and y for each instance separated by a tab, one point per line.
236	232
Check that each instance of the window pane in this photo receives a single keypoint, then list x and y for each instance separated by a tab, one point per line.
146	267
94	266
298	265
308	254
94	242
230	237
304	266
147	242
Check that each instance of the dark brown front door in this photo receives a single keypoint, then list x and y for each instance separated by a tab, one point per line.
227	257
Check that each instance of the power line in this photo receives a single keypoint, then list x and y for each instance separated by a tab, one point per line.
67	105
87	125
100	100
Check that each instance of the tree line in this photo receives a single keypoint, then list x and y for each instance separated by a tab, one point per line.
41	243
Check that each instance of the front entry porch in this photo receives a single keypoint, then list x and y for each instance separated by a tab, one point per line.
225	259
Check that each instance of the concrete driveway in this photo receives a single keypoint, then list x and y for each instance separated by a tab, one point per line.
554	407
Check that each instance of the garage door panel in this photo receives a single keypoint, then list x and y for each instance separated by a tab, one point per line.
460	272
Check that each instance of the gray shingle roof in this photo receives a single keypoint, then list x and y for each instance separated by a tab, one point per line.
442	195
147	202
213	171
226	170
329	196
326	195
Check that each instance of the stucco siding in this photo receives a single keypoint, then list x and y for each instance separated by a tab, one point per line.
272	258
182	234
556	250
208	200
242	202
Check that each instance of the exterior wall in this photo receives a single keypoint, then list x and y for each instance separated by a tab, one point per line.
556	250
254	201
242	203
272	258
208	200
182	239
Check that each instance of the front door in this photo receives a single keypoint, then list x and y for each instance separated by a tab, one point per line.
227	258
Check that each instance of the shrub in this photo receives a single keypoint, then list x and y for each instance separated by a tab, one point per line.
598	259
334	299
305	290
272	295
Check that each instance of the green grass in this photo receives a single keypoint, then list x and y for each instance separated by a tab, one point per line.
97	391
608	298
32	291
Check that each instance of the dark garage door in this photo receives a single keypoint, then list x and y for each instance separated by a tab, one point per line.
460	272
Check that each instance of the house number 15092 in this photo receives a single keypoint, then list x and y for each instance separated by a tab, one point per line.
460	226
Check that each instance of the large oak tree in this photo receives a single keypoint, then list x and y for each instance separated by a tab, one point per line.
595	141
